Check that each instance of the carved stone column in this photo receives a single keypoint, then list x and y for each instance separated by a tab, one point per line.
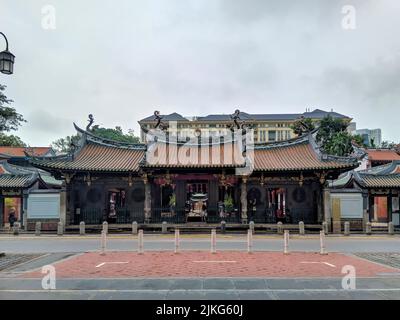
147	200
243	200
365	209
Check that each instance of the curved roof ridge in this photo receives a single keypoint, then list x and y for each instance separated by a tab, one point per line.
108	142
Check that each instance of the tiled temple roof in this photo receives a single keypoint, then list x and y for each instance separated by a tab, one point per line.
385	176
16	177
382	155
101	155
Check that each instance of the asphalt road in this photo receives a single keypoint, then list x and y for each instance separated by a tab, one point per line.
201	289
46	244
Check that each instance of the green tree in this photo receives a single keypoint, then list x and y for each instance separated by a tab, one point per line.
115	134
358	139
10	119
333	136
64	145
11	141
388	145
298	126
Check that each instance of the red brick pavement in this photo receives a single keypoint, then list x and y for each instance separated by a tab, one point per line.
204	264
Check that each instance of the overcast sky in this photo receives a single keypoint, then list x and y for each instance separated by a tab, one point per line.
121	60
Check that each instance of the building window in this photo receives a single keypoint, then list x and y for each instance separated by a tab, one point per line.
272	135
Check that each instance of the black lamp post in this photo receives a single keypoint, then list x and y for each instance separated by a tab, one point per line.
6	59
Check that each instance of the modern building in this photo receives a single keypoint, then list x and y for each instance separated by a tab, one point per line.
371	137
205	180
267	127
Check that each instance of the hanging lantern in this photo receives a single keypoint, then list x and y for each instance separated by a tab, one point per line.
6	59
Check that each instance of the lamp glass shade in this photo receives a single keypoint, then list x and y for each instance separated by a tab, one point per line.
6	62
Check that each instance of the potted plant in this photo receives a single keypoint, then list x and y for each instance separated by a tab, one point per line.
172	203
228	203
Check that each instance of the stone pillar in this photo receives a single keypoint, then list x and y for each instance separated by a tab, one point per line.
63	207
368	228
365	210
326	200
16	228
147	201
279	227
243	200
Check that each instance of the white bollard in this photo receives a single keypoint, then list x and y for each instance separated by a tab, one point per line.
213	241
164	228
286	242
134	227
176	241
301	228
103	242
391	228
60	229
140	242
368	228
82	228
347	228
249	240
105	227
322	242
38	228
16	227
279	227
251	226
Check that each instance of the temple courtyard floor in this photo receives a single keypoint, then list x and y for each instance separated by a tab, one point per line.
82	272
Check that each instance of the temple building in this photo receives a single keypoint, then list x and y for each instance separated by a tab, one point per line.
203	180
370	195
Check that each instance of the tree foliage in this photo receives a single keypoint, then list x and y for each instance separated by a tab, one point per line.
359	140
11	141
10	119
115	134
298	125
333	136
64	145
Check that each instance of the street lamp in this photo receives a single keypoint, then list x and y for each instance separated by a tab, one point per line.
6	59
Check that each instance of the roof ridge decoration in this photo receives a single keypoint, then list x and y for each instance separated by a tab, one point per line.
382	170
90	137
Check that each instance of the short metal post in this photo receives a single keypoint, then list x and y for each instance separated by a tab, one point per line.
249	241
176	240
213	241
286	242
301	228
82	228
347	228
134	227
140	242
322	242
60	229
103	242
